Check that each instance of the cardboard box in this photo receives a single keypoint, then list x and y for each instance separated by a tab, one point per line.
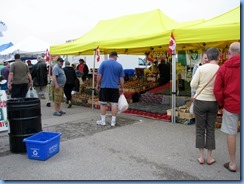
169	112
185	115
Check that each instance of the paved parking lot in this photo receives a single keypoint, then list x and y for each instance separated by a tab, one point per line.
136	149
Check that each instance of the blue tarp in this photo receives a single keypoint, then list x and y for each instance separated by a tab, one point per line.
5	46
130	72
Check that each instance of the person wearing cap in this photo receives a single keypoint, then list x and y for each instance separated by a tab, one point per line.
110	83
70	82
83	69
39	75
19	78
58	82
29	64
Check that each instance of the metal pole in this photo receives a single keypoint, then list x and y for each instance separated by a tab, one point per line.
93	78
173	87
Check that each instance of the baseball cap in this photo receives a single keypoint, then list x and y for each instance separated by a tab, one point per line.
113	53
60	59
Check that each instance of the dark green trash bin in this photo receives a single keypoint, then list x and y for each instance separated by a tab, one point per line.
24	116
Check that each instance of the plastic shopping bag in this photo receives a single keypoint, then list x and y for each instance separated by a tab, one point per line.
191	108
31	93
122	103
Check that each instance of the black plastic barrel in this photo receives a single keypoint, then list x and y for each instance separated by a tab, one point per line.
24	116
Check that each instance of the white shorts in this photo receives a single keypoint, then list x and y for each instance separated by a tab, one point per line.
229	122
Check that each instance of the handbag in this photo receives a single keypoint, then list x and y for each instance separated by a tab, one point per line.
122	104
193	99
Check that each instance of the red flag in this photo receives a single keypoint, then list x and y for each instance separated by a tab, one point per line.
47	55
98	54
172	44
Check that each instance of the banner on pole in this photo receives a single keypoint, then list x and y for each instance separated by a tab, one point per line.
47	55
98	54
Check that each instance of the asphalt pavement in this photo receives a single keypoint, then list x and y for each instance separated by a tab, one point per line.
136	149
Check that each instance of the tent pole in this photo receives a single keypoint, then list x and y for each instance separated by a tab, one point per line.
173	87
93	78
49	78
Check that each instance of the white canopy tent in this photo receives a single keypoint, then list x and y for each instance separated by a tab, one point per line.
29	46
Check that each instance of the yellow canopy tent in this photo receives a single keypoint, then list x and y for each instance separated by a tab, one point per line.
132	34
218	32
140	33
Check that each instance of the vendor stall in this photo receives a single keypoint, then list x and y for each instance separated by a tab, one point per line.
126	35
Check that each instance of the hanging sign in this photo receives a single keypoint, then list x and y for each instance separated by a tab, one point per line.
194	55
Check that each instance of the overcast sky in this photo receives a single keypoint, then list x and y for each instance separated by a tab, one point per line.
56	21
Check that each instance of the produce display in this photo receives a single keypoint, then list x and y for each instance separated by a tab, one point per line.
84	97
140	86
135	85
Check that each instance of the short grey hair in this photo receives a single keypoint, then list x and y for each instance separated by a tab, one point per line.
39	58
213	54
235	47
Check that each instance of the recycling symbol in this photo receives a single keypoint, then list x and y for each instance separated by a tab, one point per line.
35	152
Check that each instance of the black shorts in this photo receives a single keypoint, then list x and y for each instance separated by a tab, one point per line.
108	95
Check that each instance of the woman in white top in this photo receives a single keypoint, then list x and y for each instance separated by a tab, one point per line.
205	105
204	60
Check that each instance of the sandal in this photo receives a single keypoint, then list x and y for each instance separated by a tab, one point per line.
227	166
210	163
200	161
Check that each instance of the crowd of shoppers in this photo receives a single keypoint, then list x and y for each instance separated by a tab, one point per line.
213	87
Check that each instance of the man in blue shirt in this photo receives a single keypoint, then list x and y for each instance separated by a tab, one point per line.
59	80
110	83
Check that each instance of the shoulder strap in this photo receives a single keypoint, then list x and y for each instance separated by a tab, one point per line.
205	85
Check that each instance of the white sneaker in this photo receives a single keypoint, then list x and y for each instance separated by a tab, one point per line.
100	122
113	123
